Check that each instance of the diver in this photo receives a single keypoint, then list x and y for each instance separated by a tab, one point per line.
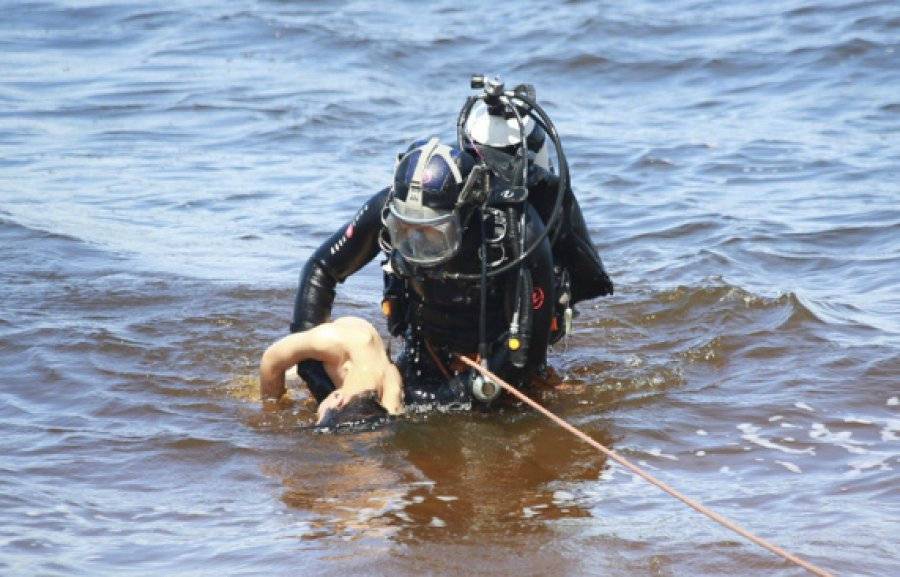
485	253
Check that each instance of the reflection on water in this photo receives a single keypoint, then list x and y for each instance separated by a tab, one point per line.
439	477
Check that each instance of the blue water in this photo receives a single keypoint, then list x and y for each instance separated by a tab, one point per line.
165	171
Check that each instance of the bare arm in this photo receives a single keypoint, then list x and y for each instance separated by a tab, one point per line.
320	343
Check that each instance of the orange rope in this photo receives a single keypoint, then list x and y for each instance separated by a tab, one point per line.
696	505
437	361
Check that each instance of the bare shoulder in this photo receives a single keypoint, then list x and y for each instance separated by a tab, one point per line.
355	324
351	321
356	329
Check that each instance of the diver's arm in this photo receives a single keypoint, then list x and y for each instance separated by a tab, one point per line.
347	251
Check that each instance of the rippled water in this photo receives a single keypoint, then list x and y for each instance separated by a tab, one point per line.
165	172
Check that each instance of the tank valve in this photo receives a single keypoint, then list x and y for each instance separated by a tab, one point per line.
484	390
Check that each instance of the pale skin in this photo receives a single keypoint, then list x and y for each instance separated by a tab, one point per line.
352	354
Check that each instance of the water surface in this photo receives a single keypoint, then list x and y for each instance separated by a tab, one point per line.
166	171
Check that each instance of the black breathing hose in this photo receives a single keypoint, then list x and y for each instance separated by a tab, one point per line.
461	120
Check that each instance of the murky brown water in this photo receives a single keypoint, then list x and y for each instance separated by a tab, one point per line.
165	173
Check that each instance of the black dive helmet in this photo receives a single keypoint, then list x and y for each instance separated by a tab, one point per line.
425	215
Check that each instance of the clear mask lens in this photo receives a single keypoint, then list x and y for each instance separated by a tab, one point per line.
424	242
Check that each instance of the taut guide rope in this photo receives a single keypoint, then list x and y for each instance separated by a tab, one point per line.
696	505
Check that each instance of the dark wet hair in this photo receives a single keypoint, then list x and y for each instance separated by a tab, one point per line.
362	412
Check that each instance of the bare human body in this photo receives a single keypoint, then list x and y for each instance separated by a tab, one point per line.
353	356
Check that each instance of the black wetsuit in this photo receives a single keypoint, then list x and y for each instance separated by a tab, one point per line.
439	317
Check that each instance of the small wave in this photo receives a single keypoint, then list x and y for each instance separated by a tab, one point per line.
624	381
637	69
874	238
152	20
833	54
685	302
11	230
616	181
697	227
714	352
652	162
876	23
199	445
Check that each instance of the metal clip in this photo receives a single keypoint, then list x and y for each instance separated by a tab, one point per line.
499	260
484	390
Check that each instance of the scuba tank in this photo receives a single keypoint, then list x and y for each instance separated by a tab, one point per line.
507	131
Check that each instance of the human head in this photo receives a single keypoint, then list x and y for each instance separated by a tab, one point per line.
359	411
423	217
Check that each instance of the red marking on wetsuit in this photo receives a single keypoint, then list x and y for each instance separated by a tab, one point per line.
537	298
349	232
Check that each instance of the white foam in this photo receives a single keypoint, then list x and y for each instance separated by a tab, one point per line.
857	421
889	432
790	426
447	498
804	406
607	474
700	453
750	434
657	452
878	462
437	522
559	496
701	432
893	402
789	466
774	418
841	438
366	514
